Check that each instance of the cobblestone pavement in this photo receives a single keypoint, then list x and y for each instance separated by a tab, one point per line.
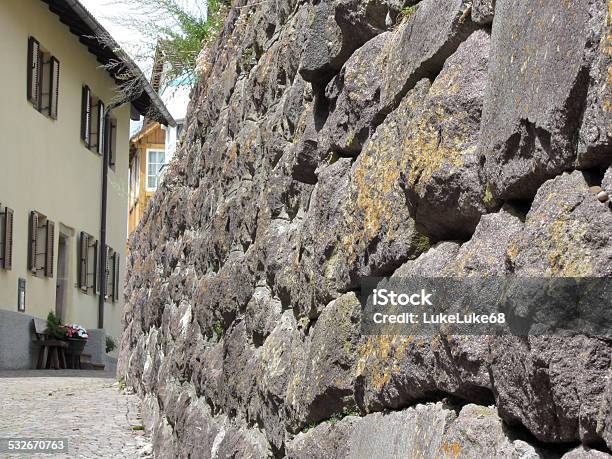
87	408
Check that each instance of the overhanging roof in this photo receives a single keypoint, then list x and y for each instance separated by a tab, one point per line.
87	28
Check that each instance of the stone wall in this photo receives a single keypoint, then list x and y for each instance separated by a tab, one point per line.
17	348
332	140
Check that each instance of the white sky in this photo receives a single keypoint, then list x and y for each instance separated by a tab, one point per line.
104	11
107	13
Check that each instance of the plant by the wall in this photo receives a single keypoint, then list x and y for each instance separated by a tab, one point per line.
174	32
55	327
111	344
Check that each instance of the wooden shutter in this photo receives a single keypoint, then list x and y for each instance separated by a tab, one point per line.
101	130
96	284
107	272
110	129
86	114
53	87
115	277
83	252
8	239
107	139
34	71
50	249
32	242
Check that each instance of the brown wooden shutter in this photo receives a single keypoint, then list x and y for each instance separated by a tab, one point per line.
83	244
101	138
32	246
50	249
53	87
111	134
90	110
34	71
39	81
107	138
86	114
96	284
8	239
115	276
107	272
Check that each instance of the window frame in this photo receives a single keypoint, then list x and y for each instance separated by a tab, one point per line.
86	109
41	232
149	188
134	179
110	139
43	74
87	264
33	72
111	276
7	218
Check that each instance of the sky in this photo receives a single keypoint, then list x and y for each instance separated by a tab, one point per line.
112	14
107	12
104	11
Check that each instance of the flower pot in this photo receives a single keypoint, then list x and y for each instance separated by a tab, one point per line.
76	346
74	351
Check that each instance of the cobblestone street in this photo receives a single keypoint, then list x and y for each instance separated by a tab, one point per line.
86	408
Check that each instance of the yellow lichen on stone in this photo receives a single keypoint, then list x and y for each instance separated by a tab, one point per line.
375	192
488	195
513	251
378	357
452	449
566	255
355	80
427	148
447	83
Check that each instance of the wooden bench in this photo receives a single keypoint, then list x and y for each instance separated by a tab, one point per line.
54	349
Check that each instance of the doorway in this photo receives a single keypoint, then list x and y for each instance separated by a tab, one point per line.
61	282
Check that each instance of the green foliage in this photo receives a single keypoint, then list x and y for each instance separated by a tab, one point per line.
181	45
422	243
111	344
55	327
218	329
488	195
173	32
310	426
406	12
334	419
332	157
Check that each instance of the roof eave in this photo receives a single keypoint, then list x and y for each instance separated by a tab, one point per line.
104	54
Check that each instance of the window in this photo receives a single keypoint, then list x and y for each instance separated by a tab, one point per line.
179	129
43	79
110	127
111	290
41	245
155	162
88	263
86	115
6	238
98	128
96	136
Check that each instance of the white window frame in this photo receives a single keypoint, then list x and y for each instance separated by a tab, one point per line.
148	188
137	178
134	179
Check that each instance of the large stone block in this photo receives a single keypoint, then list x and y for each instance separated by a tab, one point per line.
322	382
538	82
421	44
439	141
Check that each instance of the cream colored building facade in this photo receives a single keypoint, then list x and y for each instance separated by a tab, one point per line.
49	168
